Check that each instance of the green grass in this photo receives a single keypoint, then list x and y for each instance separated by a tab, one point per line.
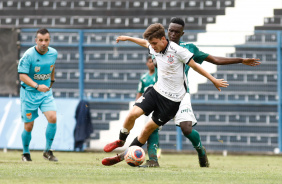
178	168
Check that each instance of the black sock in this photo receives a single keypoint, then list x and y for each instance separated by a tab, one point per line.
123	136
135	142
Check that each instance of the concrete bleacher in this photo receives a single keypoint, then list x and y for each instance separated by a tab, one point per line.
272	23
108	13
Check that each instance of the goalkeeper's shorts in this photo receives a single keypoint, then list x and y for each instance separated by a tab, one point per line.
31	101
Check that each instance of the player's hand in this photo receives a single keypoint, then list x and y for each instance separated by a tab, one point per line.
218	83
251	61
43	88
121	38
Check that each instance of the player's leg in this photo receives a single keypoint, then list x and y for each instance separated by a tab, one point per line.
26	138
148	129
127	126
48	108
29	113
152	146
144	105
186	120
194	137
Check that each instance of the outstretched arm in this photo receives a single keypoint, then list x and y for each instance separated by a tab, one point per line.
217	82
226	61
139	41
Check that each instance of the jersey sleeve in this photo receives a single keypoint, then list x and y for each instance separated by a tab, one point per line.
24	64
140	88
199	56
185	55
151	50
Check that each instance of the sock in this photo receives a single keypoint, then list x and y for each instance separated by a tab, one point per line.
135	142
124	130
152	145
26	137
50	134
123	134
195	138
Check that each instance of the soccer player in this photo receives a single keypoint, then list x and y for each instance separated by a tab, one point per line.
185	118
165	97
37	74
148	80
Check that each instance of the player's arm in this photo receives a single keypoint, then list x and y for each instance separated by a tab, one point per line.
28	81
138	95
226	61
139	41
217	82
52	77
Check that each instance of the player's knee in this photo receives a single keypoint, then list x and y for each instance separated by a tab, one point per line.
133	116
52	119
186	127
28	127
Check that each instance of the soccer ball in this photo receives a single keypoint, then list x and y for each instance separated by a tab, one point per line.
134	156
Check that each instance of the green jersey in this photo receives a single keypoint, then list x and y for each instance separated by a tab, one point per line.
198	57
146	80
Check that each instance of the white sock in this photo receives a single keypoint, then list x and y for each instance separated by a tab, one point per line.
124	130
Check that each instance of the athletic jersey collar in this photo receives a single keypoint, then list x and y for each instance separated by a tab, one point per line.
40	53
166	48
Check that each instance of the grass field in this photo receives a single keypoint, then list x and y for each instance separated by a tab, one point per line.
175	168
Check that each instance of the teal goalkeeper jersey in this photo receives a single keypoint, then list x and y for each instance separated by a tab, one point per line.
146	80
198	57
37	66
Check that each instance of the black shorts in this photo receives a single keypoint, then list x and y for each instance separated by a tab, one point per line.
164	109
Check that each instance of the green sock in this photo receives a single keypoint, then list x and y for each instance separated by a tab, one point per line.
152	145
50	134
195	138
26	137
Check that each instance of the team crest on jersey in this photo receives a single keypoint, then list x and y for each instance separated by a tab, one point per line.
28	115
37	68
51	67
170	59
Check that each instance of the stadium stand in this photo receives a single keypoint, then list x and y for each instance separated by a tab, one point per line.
272	23
108	14
111	73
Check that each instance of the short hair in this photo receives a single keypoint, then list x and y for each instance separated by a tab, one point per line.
177	20
149	57
154	31
42	31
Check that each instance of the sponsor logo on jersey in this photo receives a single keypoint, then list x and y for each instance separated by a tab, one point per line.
28	115
186	110
170	59
37	68
42	76
51	67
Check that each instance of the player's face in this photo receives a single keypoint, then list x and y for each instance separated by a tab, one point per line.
150	65
175	31
158	44
42	42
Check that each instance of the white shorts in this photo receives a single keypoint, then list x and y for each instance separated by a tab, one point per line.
185	111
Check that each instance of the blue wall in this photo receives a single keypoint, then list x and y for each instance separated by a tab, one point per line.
11	125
